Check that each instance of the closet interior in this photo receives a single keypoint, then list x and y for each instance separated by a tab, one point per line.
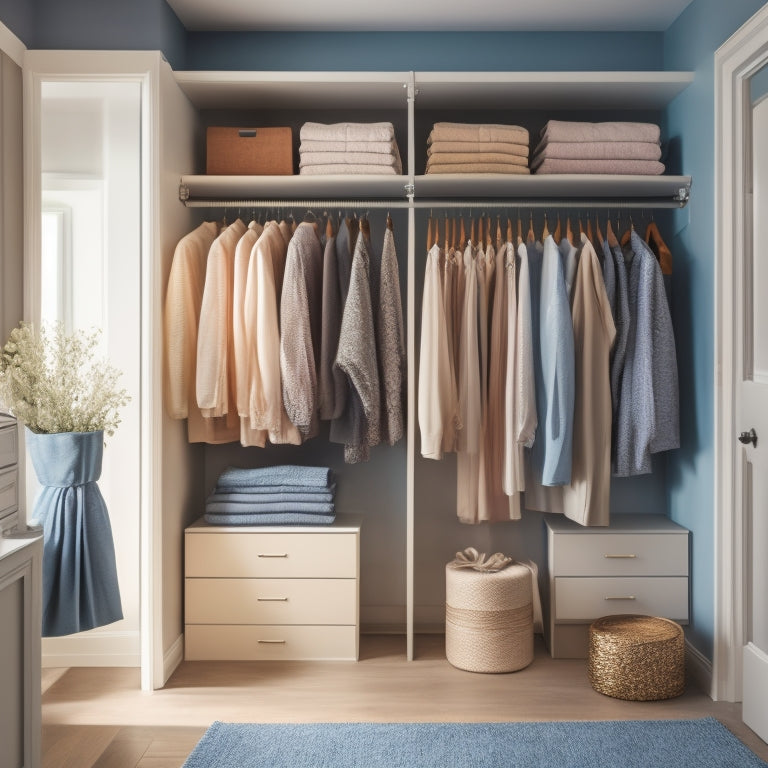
406	503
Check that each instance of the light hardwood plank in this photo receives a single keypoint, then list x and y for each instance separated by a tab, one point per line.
381	687
75	746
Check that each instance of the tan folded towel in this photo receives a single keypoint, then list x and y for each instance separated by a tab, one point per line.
348	158
502	147
512	134
564	130
632	167
347	170
381	147
347	132
479	168
597	150
453	158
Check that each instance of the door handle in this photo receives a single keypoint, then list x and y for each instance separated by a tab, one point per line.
749	437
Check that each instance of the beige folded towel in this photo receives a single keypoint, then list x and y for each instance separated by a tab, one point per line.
453	158
348	158
502	147
381	147
632	167
564	130
347	132
513	134
479	168
347	170
597	150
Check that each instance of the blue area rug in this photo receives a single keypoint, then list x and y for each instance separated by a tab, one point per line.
613	744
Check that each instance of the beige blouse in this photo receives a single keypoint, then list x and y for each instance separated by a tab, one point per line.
181	319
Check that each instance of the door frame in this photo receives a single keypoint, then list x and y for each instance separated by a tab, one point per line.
735	62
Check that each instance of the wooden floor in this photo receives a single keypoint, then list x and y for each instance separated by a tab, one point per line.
99	717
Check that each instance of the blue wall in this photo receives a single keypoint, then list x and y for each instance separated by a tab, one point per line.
19	17
689	44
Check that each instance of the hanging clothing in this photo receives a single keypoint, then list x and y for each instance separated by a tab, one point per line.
262	320
470	396
242	356
586	500
216	380
331	382
609	277
183	300
356	357
300	322
568	254
436	394
390	343
649	411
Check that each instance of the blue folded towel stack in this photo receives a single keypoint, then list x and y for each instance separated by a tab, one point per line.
281	495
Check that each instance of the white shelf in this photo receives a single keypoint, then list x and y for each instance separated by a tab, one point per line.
294	187
295	90
555	186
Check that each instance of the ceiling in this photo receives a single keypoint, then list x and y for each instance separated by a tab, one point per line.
428	15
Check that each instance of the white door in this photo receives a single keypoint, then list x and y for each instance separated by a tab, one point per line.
752	414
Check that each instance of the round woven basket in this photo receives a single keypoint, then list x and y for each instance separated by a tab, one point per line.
637	658
488	618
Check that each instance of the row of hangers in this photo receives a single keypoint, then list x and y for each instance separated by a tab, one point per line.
310	216
483	230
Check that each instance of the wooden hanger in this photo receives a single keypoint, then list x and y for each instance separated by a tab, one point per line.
598	231
329	233
488	236
590	236
659	247
390	225
472	231
557	229
581	226
509	230
519	229
609	233
429	233
545	230
626	237
437	231
568	230
531	236
462	236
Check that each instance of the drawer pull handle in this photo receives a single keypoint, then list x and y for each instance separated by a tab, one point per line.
271	642
620	557
272	599
620	597
284	554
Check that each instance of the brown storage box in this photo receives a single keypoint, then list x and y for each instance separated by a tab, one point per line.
249	152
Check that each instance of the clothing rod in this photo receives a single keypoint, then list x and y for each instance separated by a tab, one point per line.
440	204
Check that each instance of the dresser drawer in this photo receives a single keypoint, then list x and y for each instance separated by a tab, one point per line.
9	491
620	554
271	555
586	599
9	448
227	642
270	601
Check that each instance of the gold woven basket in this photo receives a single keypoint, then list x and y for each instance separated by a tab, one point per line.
637	658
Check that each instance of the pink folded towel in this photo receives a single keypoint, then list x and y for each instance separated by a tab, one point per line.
347	170
347	132
453	158
380	147
479	168
563	130
501	147
631	167
512	134
597	150
348	158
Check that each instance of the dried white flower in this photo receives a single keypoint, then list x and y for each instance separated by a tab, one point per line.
52	382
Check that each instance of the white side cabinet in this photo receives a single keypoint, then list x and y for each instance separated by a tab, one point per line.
638	564
263	592
20	651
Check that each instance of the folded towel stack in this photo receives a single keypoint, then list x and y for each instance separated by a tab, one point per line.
613	148
349	148
282	495
470	148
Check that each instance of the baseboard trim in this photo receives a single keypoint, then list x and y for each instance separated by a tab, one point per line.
173	657
698	668
94	649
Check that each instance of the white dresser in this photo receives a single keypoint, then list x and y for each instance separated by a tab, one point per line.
263	592
638	564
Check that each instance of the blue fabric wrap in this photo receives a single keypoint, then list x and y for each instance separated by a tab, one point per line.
284	474
80	589
278	518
